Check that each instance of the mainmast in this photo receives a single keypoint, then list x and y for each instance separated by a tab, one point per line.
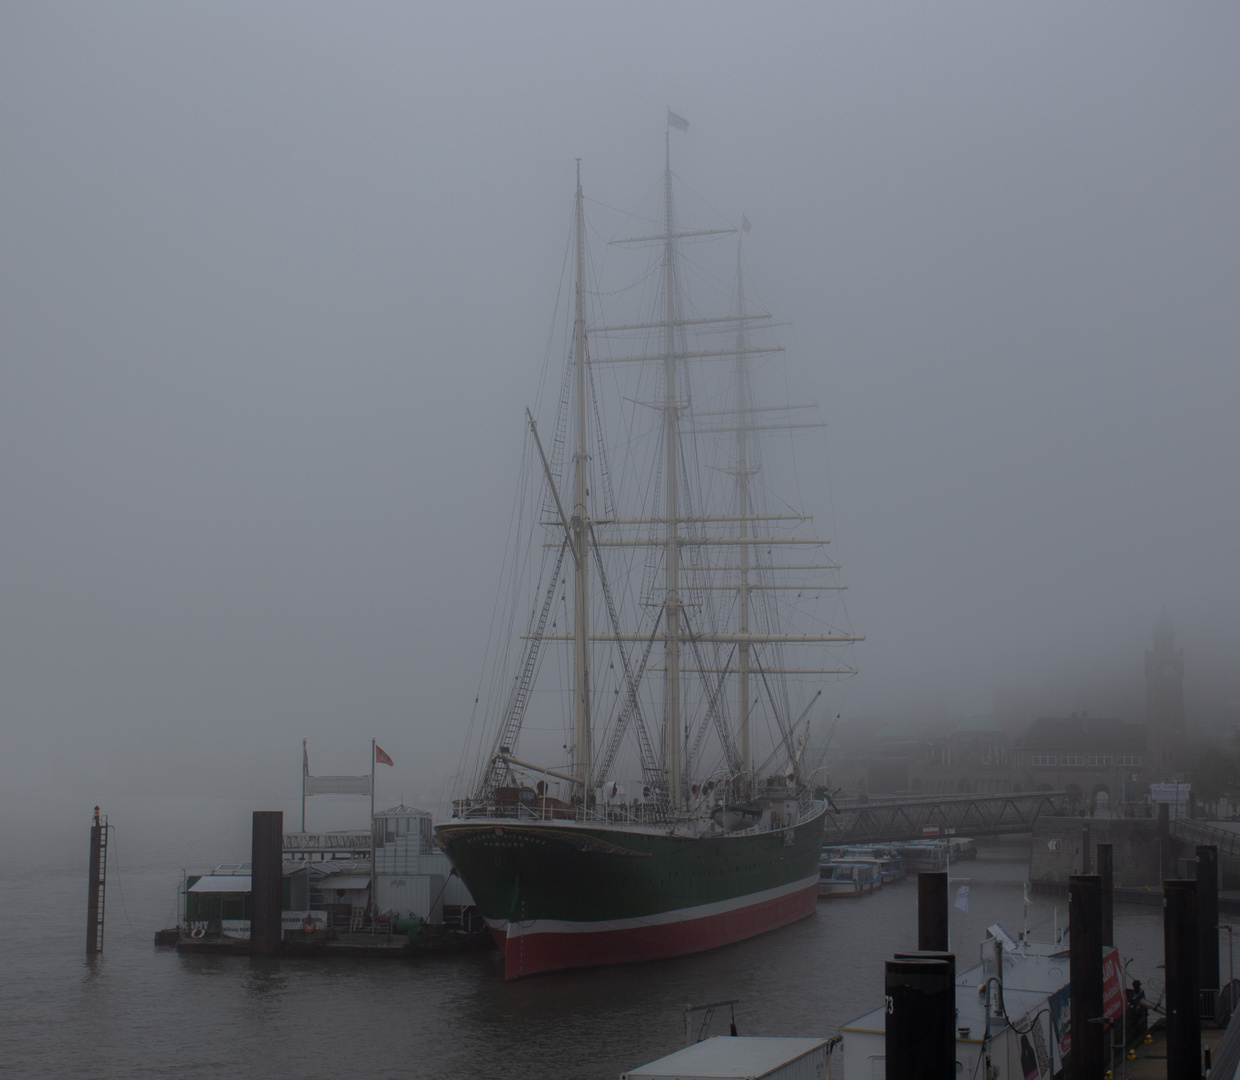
743	512
671	434
580	528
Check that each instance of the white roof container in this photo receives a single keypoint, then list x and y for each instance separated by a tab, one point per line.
221	883
730	1057
345	881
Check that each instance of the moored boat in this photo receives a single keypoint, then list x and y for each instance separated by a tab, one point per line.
962	847
848	877
890	863
923	854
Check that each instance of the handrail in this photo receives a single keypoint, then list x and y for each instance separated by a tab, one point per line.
1191	827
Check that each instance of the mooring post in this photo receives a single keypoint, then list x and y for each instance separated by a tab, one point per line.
932	911
266	882
1207	917
96	884
1180	955
920	1037
1166	856
1106	854
950	960
1087	1058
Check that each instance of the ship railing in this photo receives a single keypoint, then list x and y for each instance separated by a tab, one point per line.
610	813
621	813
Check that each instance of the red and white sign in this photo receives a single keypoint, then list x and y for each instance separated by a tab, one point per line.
929	830
1112	985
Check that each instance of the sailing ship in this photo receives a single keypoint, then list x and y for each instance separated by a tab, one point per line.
673	576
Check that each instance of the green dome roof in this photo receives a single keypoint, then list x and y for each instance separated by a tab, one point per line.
977	725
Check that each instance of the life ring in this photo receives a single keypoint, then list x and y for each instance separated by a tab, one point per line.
309	925
197	932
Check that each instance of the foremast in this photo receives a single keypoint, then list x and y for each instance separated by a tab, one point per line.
671	436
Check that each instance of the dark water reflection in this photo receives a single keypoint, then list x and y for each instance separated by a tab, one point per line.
138	1011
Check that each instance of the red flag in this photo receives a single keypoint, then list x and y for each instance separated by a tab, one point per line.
381	757
745	226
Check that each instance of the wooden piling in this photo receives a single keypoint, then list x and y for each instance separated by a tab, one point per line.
266	882
96	885
926	954
1180	954
920	1038
1087	1058
1207	917
932	911
1106	871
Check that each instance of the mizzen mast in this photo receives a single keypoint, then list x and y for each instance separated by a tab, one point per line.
580	528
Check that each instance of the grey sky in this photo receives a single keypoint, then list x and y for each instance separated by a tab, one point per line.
276	281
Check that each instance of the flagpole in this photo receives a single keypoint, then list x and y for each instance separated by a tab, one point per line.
949	894
373	906
305	769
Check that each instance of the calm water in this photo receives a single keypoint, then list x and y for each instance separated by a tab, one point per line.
138	1011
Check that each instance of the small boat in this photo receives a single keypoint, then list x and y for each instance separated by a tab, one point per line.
848	877
890	862
924	854
963	847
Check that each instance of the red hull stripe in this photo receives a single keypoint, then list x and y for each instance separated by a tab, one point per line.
547	945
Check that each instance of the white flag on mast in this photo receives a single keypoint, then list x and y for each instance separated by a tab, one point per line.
678	122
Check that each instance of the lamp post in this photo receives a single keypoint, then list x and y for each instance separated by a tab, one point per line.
1108	1025
1123	987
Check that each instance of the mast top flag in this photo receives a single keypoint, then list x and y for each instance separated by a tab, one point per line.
677	122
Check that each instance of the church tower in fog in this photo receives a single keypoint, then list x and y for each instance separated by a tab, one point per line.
1164	695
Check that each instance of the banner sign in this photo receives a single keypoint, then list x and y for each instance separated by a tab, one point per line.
1060	1004
1040	1052
1169	793
337	785
1112	985
297	920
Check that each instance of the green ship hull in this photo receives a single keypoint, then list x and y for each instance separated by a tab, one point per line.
561	894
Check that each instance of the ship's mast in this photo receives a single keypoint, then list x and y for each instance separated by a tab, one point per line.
671	434
580	522
743	512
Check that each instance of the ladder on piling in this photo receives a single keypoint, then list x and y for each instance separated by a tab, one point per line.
97	886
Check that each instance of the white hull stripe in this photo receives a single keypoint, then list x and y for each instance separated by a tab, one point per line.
702	911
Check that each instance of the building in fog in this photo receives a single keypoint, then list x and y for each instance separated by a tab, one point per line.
969	756
1164	700
1100	761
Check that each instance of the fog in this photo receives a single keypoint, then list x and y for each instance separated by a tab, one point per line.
276	282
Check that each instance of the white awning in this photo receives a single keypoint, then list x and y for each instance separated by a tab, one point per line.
211	883
345	881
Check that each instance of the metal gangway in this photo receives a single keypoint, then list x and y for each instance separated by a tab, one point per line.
905	817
